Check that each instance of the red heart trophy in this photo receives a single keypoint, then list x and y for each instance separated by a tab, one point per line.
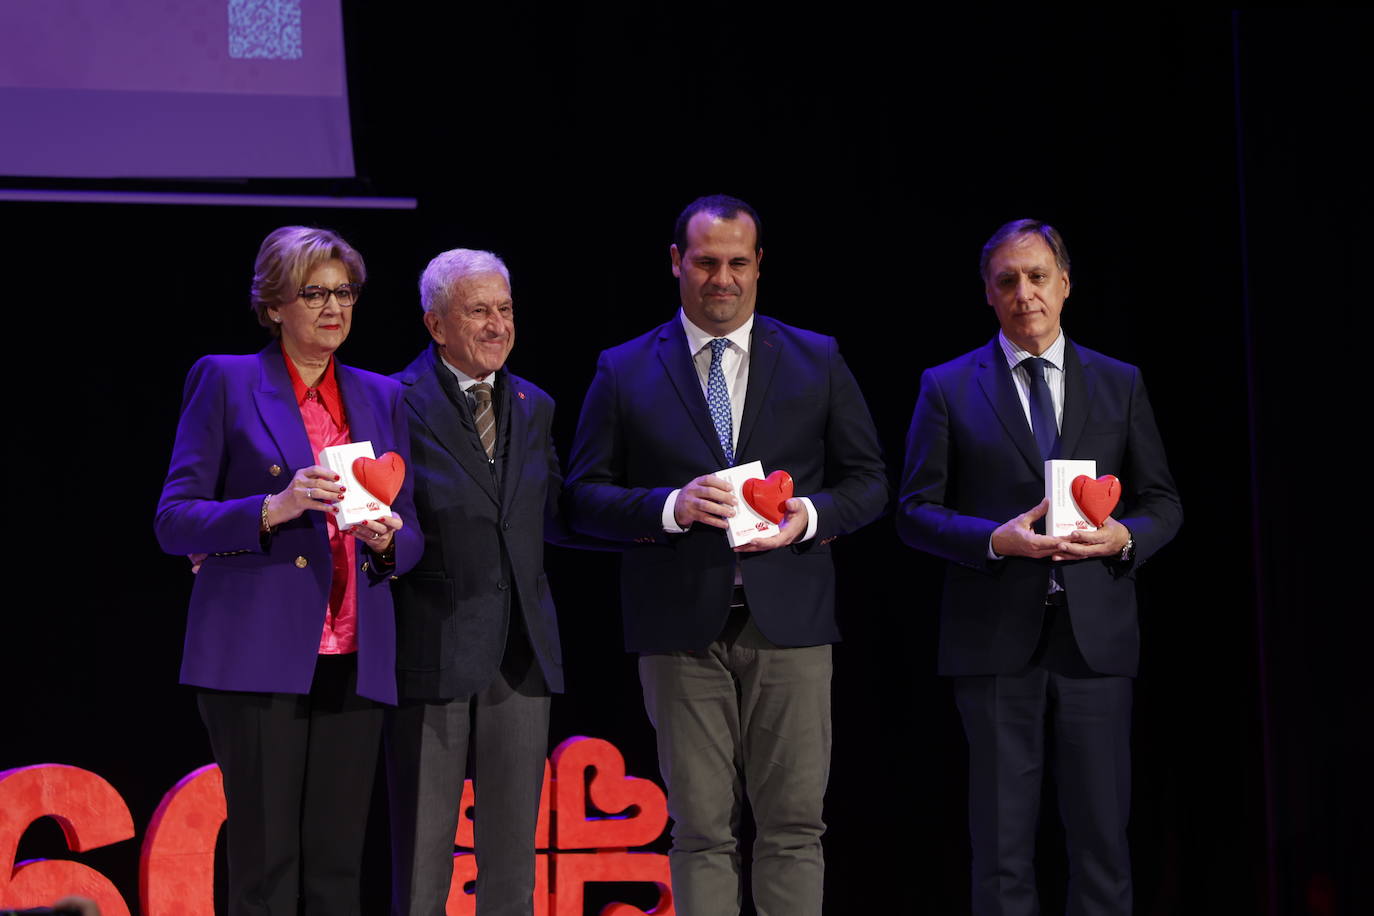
382	477
1096	498
769	497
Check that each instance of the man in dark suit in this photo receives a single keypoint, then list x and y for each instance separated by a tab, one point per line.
734	645
1036	628
477	640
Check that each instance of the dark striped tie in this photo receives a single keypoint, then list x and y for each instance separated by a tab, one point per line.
1043	422
1045	426
485	418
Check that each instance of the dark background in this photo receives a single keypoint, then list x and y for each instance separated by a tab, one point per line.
1210	173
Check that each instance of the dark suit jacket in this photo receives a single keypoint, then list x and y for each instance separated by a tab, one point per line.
645	430
972	463
484	537
256	615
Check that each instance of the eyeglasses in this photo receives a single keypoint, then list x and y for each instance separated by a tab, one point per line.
315	297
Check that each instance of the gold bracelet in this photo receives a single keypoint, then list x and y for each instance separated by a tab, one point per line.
265	527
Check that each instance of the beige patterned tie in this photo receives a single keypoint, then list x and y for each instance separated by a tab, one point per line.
485	418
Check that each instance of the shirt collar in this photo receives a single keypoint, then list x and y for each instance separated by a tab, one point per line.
697	338
327	390
465	381
1054	354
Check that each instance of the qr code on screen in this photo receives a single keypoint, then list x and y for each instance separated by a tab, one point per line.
265	28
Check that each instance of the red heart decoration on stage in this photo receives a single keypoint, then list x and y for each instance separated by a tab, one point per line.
633	810
1096	498
769	496
382	477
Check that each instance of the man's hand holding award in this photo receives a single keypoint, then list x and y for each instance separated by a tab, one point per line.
1079	511
758	513
767	509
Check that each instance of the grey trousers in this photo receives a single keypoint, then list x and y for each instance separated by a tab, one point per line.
426	754
743	718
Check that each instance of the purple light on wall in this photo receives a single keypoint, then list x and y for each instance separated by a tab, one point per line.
193	199
192	89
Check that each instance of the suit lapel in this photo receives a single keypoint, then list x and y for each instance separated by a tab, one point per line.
677	362
994	376
517	409
432	405
281	415
765	347
363	424
1078	394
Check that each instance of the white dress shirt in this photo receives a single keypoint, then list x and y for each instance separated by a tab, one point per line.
1054	375
734	363
465	382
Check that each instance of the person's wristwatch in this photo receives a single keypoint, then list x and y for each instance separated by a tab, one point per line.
1128	549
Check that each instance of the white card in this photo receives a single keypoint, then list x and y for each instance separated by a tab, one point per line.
358	504
746	524
1064	517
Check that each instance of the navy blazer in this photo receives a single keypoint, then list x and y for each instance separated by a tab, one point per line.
972	464
645	430
258	604
484	539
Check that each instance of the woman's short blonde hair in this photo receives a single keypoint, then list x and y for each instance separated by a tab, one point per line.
287	257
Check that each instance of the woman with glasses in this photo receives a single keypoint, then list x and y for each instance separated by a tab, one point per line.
290	638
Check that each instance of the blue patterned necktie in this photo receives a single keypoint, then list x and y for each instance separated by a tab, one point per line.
1041	407
718	400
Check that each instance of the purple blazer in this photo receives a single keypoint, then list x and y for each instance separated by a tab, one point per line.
256	615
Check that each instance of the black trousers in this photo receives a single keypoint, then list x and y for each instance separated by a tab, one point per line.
298	773
1017	725
1057	715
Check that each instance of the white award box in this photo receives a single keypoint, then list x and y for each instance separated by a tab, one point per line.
1064	516
358	504
745	524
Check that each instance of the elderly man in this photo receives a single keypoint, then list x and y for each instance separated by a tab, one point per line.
1036	628
734	646
477	639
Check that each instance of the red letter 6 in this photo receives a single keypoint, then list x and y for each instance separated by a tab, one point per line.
91	814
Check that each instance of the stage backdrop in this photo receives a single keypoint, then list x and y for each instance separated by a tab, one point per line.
1213	196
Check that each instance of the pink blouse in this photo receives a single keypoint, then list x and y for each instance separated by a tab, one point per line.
325	424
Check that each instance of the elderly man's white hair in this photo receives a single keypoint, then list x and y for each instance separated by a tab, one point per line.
449	269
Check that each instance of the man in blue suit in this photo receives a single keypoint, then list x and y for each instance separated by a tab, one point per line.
477	639
734	646
1038	630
